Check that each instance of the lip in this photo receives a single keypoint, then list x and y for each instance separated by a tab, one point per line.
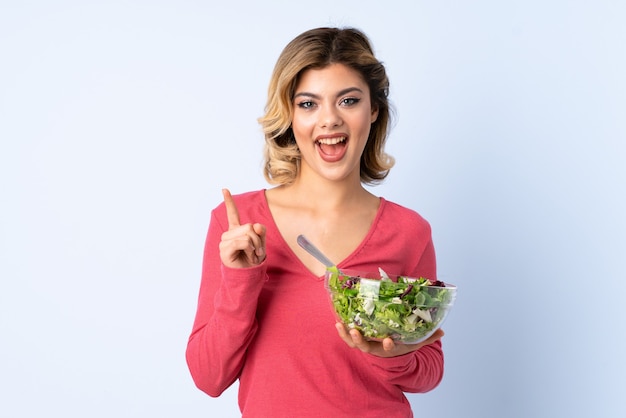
331	158
331	136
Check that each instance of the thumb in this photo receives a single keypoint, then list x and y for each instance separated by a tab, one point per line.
260	230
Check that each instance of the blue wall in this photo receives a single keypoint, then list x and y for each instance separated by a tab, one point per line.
121	122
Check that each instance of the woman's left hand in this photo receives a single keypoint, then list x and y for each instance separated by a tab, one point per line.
384	348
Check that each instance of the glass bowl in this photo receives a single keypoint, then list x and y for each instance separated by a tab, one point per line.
380	305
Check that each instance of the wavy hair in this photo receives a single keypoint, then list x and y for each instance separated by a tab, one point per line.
318	48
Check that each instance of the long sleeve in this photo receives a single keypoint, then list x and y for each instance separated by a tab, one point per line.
225	321
421	370
417	372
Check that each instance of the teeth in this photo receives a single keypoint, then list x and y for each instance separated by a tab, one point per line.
332	141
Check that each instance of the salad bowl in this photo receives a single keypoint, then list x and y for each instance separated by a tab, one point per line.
408	310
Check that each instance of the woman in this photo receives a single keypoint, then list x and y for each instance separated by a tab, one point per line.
263	313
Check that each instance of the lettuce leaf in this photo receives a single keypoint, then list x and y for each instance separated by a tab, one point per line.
407	310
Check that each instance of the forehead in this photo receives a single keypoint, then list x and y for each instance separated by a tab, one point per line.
329	78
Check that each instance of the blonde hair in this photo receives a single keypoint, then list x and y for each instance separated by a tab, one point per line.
318	48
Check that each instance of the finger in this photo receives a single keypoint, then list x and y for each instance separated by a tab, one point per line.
360	342
343	333
252	241
259	230
388	344
238	252
436	336
231	209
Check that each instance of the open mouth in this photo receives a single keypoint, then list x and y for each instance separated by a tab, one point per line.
332	149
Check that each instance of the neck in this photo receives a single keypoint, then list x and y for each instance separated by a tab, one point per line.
328	194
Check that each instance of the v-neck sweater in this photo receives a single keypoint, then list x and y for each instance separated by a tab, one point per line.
272	327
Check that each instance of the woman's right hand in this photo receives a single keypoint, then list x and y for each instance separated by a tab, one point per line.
242	245
384	348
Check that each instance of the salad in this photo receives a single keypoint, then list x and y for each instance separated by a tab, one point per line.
408	310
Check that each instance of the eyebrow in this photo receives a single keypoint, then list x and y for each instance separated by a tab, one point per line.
340	93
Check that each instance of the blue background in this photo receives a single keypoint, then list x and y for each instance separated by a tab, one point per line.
121	121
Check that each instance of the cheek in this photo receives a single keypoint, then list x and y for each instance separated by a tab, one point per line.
366	126
299	133
301	126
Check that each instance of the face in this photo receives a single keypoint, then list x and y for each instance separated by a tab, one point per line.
332	116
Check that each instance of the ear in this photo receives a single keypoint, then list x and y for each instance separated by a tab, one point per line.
374	115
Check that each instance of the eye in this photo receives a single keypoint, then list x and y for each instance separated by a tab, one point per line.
350	101
306	104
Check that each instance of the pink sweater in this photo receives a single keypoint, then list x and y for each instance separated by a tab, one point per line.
271	326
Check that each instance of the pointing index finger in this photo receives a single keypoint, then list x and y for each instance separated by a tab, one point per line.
231	209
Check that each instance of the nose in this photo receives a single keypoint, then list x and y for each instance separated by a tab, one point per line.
329	117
